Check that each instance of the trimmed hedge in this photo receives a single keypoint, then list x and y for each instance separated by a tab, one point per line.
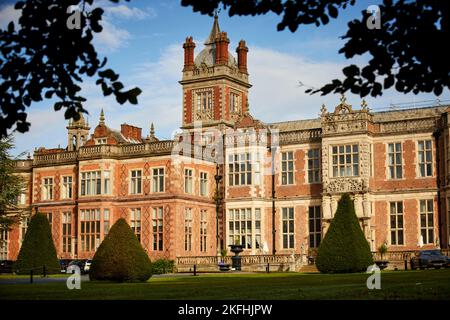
161	266
120	257
38	249
344	247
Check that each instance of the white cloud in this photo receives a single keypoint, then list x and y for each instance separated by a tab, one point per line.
8	14
275	78
111	38
123	11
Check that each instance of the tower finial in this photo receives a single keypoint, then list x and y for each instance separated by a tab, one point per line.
214	31
364	105
102	117
152	130
323	109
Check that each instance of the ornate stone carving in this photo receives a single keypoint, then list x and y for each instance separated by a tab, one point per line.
342	185
344	119
325	167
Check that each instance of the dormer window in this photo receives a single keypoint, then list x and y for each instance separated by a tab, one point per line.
101	141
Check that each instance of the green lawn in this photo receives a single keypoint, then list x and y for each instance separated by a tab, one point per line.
429	284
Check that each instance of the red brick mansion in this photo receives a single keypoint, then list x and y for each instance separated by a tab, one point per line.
184	204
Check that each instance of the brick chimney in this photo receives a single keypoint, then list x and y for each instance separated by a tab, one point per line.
242	56
131	132
222	42
188	46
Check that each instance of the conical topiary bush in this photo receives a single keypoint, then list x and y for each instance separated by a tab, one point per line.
344	247
120	257
38	249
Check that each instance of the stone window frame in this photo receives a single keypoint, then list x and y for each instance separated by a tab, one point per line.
248	159
90	194
397	229
136	222
289	233
418	175
158	181
98	231
195	92
189	178
427	227
345	153
205	181
63	194
315	232
308	169
4	244
287	171
44	192
106	221
255	212
188	217
203	230
66	231
137	182
388	164
157	240
238	94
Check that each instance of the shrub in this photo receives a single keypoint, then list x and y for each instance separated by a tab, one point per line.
382	250
161	266
120	257
38	249
344	247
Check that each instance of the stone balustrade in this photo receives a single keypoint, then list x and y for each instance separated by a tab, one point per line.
408	125
23	164
281	262
300	136
101	151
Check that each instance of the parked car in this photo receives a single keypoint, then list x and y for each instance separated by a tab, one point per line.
6	266
87	266
429	259
64	263
79	263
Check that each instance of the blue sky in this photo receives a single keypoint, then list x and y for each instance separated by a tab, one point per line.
143	42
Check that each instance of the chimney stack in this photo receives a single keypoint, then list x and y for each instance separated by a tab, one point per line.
188	47
242	56
222	42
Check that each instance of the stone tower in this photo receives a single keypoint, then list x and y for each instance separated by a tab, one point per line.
77	133
215	85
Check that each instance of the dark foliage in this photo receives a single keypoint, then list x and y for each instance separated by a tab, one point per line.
44	58
406	52
120	257
344	247
11	186
38	249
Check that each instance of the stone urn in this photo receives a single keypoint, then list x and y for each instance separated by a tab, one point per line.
236	259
